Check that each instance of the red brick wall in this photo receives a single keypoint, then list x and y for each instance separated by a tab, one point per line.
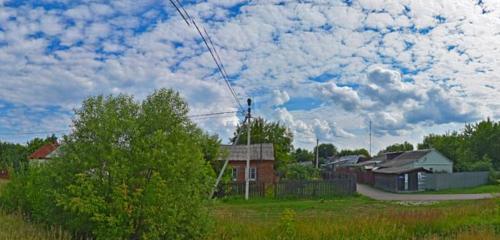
265	170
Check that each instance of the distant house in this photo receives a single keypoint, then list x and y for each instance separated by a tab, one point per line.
429	159
44	153
261	162
377	160
343	162
405	172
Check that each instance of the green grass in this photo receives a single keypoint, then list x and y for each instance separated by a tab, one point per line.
355	218
493	188
13	227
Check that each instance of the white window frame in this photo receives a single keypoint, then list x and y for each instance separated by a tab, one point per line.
254	171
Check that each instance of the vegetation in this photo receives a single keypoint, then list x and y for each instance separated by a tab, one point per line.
300	172
476	148
347	152
303	155
325	151
397	147
356	218
15	156
270	132
128	171
491	188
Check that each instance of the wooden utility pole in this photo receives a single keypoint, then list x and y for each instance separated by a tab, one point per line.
317	153
370	138
249	131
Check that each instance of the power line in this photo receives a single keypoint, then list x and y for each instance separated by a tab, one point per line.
211	114
213	52
33	133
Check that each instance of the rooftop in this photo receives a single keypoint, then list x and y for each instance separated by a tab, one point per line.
405	158
264	151
44	152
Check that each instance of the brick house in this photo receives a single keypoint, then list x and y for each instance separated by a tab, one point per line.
261	162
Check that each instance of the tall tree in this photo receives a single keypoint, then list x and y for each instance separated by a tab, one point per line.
303	155
269	132
326	150
398	147
129	170
360	151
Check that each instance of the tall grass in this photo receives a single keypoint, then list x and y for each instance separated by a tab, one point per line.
458	220
13	227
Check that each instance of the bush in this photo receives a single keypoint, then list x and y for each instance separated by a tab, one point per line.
300	172
128	171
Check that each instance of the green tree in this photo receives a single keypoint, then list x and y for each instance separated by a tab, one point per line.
269	132
299	172
360	151
398	147
128	171
326	150
303	155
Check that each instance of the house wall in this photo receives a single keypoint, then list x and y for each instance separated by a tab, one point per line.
386	182
438	181
265	170
434	162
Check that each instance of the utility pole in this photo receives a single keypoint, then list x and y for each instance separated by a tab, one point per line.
317	153
247	169
370	138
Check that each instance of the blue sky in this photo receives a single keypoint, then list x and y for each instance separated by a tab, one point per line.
324	68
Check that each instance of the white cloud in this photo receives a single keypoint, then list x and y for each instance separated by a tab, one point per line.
431	65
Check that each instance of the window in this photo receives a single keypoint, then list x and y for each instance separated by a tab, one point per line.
234	174
253	174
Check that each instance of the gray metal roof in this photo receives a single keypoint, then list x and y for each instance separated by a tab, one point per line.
405	158
399	170
264	151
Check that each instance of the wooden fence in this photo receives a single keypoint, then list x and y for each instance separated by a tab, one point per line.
256	189
336	185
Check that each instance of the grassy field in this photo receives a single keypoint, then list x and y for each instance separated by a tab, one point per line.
341	218
356	218
481	189
13	227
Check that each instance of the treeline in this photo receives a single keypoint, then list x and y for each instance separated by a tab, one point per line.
15	156
475	148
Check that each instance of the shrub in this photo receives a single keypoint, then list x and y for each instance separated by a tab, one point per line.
286	229
128	171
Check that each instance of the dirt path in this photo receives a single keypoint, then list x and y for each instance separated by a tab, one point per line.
381	195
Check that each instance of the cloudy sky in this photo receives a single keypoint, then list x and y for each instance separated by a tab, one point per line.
324	68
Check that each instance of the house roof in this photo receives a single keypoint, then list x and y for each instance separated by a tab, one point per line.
399	170
405	158
349	160
386	156
44	152
264	151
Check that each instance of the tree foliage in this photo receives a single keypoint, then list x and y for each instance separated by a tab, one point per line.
269	132
398	147
13	155
303	155
477	147
360	151
128	171
326	150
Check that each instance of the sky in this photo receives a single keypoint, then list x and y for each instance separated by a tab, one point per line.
326	69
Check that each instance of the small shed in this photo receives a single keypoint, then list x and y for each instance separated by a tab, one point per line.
400	179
